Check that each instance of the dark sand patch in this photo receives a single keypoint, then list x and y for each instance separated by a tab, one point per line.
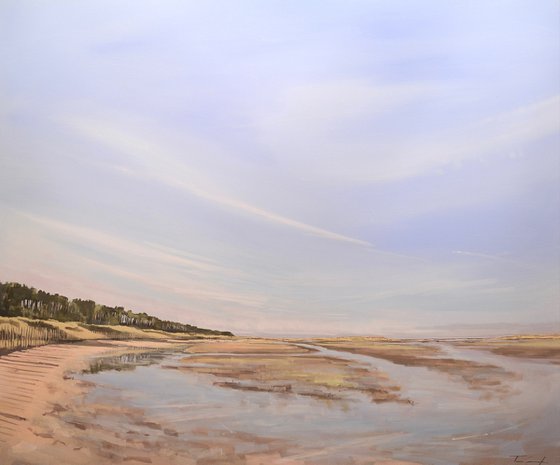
479	376
543	348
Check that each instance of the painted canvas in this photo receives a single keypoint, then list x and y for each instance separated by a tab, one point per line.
293	232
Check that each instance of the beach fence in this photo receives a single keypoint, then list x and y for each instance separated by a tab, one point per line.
18	334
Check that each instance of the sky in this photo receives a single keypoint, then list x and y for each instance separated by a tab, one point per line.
286	167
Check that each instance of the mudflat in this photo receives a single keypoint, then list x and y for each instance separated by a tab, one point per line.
295	372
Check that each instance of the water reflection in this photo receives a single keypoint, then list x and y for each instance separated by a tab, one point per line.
124	362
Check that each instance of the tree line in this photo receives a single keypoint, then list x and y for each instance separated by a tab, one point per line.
20	300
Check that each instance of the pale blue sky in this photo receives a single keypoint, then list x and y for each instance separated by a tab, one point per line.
289	167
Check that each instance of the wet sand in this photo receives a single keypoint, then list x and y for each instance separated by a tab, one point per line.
259	401
35	383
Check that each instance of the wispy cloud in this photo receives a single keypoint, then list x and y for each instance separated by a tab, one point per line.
156	164
192	291
125	246
314	135
482	255
197	283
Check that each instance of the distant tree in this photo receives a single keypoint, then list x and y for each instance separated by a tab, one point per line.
20	300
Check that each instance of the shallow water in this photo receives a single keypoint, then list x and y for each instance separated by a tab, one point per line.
448	423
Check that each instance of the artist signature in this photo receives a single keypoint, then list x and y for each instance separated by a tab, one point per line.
528	459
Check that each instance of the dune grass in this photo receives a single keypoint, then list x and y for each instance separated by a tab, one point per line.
17	333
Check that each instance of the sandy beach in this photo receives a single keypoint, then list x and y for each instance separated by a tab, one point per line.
34	383
272	402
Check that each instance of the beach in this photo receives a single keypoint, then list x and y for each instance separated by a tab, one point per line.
36	382
252	401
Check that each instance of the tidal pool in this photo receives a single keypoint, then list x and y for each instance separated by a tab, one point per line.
144	402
